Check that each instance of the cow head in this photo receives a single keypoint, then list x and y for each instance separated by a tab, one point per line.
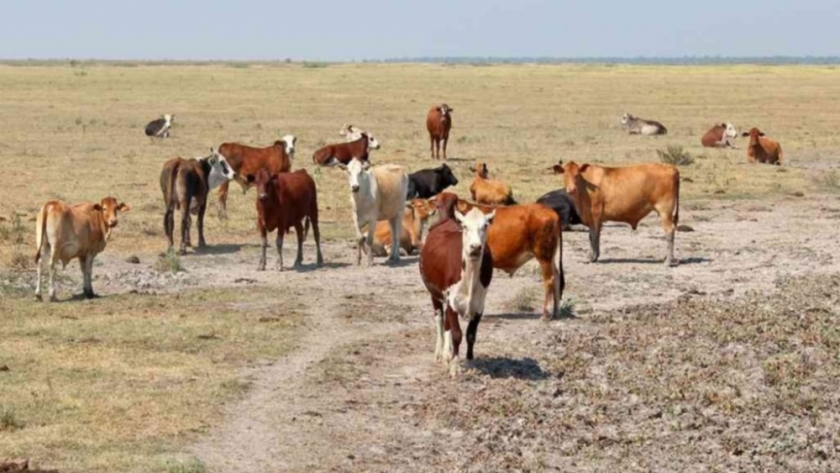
571	172
289	145
262	181
447	175
372	142
480	169
729	130
626	119
220	170
358	176
754	134
445	110
445	203
169	118
110	209
473	232
422	209
351	132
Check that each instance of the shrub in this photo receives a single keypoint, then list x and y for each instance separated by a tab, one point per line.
676	155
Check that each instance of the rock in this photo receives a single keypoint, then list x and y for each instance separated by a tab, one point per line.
133	259
684	228
4	368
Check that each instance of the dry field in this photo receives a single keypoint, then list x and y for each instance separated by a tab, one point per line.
726	362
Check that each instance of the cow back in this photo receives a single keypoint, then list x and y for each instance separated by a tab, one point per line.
440	257
392	187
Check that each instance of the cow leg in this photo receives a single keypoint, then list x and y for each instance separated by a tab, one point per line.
87	269
432	147
223	192
369	241
264	238
360	238
53	261
169	226
202	243
445	141
185	228
40	264
299	231
472	330
279	243
595	242
670	230
396	229
438	307
316	232
550	280
453	339
437	149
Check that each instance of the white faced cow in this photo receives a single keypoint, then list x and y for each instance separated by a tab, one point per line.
160	128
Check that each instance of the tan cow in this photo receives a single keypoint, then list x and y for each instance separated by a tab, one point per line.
415	217
762	149
489	191
78	231
604	194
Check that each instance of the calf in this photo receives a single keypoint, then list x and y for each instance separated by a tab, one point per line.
416	214
763	149
160	128
342	153
376	194
560	201
185	184
247	161
456	266
74	231
428	183
439	122
520	233
640	126
351	132
719	136
284	200
488	191
604	194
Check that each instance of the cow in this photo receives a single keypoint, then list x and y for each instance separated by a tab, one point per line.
247	160
284	201
488	191
720	136
416	215
520	233
640	126
762	149
351	132
439	122
456	266
185	184
376	193
78	231
605	194
560	201
342	153
428	183
160	128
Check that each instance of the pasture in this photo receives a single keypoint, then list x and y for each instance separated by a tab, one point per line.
199	363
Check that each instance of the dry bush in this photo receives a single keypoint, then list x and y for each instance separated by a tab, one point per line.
675	155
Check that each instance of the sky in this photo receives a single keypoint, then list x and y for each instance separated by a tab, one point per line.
331	30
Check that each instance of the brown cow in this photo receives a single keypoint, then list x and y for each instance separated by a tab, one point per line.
604	194
456	265
417	213
439	122
284	200
78	231
520	233
719	136
343	153
762	149
488	191
247	160
185	184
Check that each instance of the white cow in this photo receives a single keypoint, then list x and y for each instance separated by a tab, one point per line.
377	194
351	132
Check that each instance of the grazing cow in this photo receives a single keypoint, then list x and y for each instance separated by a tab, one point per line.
160	128
428	183
456	265
284	201
628	194
342	153
74	231
560	201
351	132
185	184
439	122
415	217
488	191
640	126
762	149
719	136
247	160
520	233
376	194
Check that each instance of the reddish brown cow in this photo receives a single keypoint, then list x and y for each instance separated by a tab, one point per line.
343	153
762	149
284	200
439	122
247	160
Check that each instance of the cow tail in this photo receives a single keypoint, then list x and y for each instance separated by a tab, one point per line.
40	230
559	276
677	200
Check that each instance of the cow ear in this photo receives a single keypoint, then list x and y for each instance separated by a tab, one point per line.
341	166
746	133
557	168
123	207
489	217
459	216
365	165
97	207
582	168
761	133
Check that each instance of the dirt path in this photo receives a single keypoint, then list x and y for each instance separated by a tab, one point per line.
361	392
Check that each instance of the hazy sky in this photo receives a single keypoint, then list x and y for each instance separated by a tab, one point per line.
379	29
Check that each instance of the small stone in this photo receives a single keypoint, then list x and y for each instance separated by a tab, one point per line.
133	259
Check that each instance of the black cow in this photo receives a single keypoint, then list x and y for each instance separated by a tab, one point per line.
160	128
562	203
428	183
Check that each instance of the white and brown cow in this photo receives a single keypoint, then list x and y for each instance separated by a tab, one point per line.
720	136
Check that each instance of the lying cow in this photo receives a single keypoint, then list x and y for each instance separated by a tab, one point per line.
376	194
247	161
628	194
640	126
160	128
284	201
185	184
438	123
560	201
762	149
427	183
489	191
342	153
415	217
78	231
456	265
720	136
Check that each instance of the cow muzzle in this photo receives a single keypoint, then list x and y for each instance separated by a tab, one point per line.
354	189
475	251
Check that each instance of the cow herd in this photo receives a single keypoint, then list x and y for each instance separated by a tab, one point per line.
391	210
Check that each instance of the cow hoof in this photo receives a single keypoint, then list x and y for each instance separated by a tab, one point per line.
182	251
261	267
38	297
